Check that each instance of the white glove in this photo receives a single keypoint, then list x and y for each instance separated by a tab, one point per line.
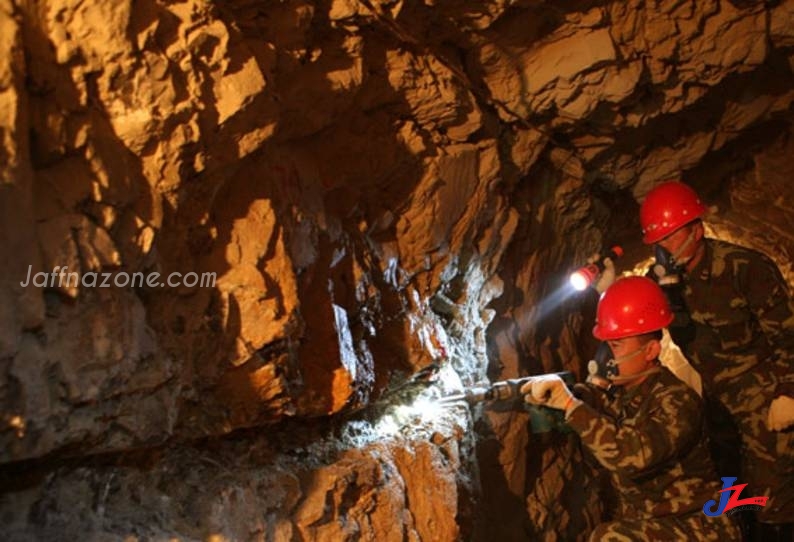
781	413
607	276
549	391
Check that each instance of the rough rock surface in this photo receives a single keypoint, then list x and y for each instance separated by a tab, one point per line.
350	487
374	186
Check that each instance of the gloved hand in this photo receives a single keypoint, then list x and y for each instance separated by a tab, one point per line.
781	413
607	276
549	391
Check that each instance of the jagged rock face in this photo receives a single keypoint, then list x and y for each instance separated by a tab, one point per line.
246	489
374	186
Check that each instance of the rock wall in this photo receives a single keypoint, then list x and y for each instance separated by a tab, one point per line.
299	484
374	186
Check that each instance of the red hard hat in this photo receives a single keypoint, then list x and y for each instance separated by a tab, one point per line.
666	208
631	306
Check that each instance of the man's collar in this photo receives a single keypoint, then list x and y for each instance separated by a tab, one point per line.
703	269
644	387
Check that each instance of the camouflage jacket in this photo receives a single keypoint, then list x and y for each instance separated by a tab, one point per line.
651	440
742	315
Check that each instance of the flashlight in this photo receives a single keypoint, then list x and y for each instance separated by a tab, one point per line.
584	276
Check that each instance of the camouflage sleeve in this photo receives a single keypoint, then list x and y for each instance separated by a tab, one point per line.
668	426
590	394
768	297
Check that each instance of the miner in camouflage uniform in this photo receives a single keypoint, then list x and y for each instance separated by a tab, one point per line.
734	321
648	430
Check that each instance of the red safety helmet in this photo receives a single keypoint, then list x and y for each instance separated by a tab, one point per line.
631	306
666	208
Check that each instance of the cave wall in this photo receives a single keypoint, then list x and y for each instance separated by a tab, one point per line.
377	186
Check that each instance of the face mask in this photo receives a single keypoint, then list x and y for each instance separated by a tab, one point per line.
667	269
603	369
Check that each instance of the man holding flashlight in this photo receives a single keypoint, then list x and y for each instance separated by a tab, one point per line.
735	322
647	432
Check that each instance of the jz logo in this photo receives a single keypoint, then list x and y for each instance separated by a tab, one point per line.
730	499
